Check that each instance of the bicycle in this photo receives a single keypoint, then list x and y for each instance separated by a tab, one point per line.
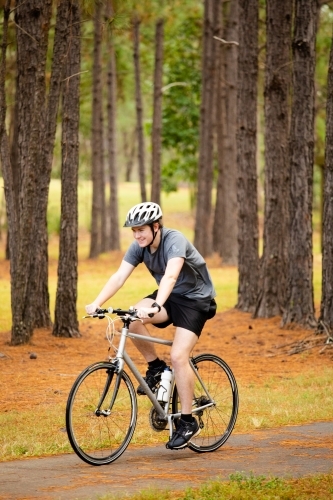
101	411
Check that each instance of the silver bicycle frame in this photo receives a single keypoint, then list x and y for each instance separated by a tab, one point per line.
122	357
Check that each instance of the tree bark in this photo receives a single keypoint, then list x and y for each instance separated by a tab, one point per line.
29	290
129	153
5	155
98	226
300	304
27	182
66	322
221	125
157	115
38	289
326	306
114	237
203	222
139	107
225	219
248	257
274	261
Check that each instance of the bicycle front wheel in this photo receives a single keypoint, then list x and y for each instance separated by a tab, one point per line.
219	395
101	414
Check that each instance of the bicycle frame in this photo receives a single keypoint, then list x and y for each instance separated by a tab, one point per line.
123	357
100	434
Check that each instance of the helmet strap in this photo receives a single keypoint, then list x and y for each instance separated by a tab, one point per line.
154	234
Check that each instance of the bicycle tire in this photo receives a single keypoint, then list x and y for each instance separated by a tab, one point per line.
217	421
101	439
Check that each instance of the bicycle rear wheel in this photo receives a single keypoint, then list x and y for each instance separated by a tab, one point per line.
101	414
218	420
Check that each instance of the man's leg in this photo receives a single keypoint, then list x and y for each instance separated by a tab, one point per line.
155	365
183	344
187	426
147	349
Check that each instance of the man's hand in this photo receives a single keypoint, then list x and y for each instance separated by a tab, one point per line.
91	308
143	312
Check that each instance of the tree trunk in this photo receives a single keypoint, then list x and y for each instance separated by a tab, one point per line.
300	305
114	237
248	258
276	221
225	220
203	222
29	292
139	108
8	174
27	208
129	153
221	125
326	306
157	115
97	169
66	323
38	289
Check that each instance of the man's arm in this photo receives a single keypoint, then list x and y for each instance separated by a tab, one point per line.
112	286
167	283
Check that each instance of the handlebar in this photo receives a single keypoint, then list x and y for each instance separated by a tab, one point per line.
131	313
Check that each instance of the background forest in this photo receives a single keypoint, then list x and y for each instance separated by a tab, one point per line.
230	100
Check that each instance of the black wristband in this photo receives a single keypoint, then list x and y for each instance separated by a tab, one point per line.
156	305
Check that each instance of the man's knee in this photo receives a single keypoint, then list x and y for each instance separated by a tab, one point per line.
178	356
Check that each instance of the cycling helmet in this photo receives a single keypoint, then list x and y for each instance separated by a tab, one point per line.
143	214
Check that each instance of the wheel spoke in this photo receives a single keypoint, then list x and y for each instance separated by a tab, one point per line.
218	420
99	437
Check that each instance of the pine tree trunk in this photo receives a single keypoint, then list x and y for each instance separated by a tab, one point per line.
300	304
157	115
39	288
248	258
8	175
66	323
139	108
27	199
129	153
276	220
225	220
29	291
326	306
97	168
114	237
221	124
203	222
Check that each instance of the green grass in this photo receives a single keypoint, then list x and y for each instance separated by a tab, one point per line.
21	437
278	402
287	401
241	486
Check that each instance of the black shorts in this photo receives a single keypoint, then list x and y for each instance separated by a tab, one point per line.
185	313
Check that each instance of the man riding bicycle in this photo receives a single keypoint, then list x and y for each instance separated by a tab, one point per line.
185	298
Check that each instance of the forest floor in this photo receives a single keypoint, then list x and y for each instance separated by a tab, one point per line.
255	349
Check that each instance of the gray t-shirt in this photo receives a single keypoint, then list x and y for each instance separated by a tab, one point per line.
194	281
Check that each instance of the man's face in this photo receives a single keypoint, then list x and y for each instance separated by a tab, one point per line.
143	235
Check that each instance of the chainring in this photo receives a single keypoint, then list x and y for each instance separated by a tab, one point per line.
156	422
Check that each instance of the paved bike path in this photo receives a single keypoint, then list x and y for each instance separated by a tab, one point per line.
285	452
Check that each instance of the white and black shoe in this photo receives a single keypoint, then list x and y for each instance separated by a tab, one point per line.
152	378
183	434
